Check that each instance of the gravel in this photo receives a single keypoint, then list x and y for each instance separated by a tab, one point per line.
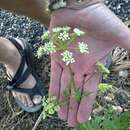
120	7
12	25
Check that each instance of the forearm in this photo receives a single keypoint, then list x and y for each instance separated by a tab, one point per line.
33	8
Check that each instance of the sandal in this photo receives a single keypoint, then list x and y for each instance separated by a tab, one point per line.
21	75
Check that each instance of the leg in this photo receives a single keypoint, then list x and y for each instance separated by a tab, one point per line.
11	58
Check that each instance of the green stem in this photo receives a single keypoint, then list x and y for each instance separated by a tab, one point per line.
73	38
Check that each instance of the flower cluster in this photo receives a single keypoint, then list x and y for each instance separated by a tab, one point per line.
78	32
59	29
104	87
45	35
50	106
60	39
40	51
83	47
67	57
49	47
64	36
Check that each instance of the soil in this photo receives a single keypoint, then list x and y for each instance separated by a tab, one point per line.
12	118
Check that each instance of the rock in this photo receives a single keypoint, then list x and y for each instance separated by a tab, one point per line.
111	95
98	110
123	73
118	108
122	97
108	99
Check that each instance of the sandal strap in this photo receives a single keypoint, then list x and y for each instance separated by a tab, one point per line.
30	91
22	63
20	76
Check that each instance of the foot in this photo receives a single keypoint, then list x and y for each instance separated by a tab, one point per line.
29	83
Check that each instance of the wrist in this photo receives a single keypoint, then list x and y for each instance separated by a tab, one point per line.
73	4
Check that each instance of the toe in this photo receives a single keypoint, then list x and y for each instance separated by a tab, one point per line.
29	101
37	99
21	98
24	98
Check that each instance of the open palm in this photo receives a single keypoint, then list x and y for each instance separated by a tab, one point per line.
104	31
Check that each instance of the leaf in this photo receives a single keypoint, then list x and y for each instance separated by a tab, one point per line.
86	94
124	121
103	70
78	95
103	87
66	93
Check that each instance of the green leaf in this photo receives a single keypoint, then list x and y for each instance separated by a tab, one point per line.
103	87
66	93
86	94
78	94
45	36
103	70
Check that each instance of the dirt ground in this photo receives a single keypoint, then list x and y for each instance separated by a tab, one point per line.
12	118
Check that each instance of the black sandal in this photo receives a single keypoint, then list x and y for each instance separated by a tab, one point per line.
21	75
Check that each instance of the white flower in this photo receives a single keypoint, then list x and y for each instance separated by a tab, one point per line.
78	32
83	47
57	29
49	47
45	35
67	57
40	51
64	36
67	28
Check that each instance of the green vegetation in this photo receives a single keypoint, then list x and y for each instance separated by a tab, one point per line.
108	121
58	41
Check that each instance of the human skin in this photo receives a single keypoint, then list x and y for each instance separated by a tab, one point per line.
103	30
35	9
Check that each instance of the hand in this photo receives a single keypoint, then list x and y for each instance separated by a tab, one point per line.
103	31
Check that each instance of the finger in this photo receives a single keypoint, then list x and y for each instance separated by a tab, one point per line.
56	72
65	79
74	102
87	102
